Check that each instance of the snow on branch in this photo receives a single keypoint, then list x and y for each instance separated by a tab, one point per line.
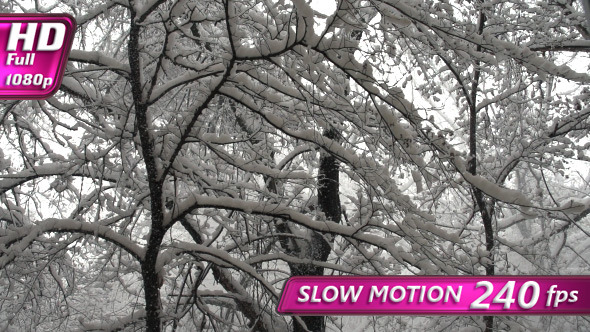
15	240
377	176
100	9
218	257
493	190
257	168
288	213
566	46
495	46
71	168
100	59
209	70
10	181
114	325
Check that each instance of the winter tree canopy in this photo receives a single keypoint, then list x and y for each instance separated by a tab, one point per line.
201	152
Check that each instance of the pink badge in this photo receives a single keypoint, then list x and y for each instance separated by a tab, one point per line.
35	50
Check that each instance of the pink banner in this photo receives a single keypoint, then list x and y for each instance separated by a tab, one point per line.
436	295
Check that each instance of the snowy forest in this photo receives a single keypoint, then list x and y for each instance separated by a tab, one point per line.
201	152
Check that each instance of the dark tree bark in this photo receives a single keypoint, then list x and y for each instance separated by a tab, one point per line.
485	209
149	272
319	248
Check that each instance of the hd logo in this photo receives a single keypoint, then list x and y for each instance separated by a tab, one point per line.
34	50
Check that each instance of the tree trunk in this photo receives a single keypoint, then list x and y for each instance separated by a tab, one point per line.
329	204
149	272
485	209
